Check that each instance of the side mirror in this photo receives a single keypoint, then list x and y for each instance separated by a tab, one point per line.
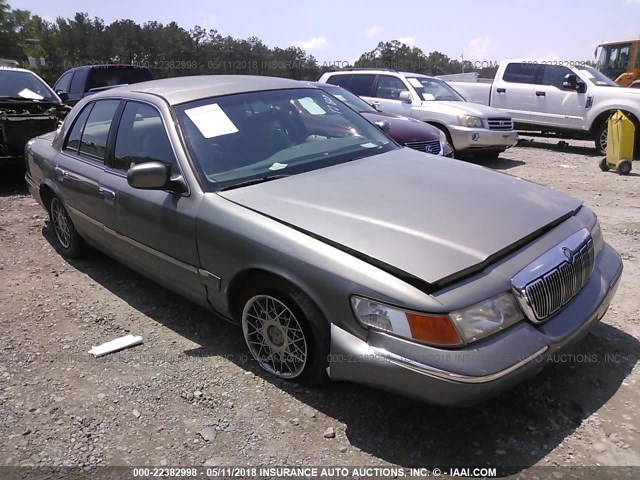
405	96
64	96
581	87
383	125
148	176
570	81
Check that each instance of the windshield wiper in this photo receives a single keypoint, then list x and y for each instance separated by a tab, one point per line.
252	182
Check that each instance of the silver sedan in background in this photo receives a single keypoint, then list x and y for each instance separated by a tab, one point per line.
341	254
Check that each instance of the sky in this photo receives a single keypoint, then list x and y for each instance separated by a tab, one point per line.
340	31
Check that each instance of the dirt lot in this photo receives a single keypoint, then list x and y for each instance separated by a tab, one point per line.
190	396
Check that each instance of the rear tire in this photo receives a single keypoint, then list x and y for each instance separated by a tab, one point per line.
285	332
67	240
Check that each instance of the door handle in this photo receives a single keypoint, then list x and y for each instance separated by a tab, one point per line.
540	94
61	173
501	90
106	193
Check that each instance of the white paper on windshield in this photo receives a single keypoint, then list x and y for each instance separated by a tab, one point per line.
428	96
278	166
341	98
415	82
211	120
311	106
587	73
26	93
368	145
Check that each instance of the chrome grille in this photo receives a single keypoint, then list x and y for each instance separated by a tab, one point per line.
432	146
500	124
550	292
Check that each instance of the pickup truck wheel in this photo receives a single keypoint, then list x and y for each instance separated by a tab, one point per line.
601	139
285	332
68	241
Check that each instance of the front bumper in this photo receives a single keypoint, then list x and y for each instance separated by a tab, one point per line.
467	139
472	374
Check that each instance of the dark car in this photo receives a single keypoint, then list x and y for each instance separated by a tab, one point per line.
76	83
341	256
28	108
406	131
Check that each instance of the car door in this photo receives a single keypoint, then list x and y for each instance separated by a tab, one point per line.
387	96
556	105
362	84
514	93
155	229
79	171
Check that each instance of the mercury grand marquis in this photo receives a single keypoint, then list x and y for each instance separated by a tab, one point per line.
341	254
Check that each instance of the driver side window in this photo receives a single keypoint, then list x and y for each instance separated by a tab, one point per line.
389	87
142	138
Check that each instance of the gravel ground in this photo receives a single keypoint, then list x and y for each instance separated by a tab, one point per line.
190	396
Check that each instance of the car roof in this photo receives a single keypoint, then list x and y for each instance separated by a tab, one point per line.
376	71
15	69
105	66
186	89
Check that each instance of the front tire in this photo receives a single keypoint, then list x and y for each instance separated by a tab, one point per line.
68	241
601	138
285	332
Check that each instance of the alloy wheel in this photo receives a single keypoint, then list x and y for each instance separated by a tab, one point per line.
60	222
274	336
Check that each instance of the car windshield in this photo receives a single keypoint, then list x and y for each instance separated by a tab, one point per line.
18	85
434	89
349	98
596	77
254	136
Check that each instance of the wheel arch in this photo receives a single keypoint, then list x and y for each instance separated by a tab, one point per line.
240	282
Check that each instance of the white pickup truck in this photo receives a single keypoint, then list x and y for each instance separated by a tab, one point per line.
571	101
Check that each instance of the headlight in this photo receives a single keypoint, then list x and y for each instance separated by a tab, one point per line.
443	136
487	317
434	329
469	121
461	326
596	236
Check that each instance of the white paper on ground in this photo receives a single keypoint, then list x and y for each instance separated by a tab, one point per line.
115	345
211	120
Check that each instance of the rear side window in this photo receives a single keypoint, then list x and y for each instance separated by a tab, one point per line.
96	130
554	75
73	140
340	80
142	138
521	73
362	85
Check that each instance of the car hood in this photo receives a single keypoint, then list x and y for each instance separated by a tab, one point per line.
463	108
403	129
432	218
